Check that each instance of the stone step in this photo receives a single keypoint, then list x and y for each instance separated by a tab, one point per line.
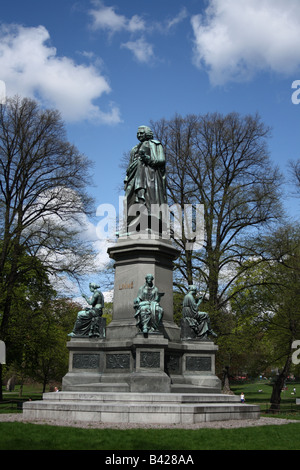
153	413
189	388
152	408
123	397
102	387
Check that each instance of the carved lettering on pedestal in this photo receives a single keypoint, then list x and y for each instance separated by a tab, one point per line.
126	285
86	361
117	361
150	359
198	363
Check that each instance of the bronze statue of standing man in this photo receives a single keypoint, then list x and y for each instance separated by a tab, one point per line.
145	181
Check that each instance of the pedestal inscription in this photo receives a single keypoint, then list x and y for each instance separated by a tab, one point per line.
196	363
150	359
117	361
86	361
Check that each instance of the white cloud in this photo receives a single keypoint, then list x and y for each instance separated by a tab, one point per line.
31	67
237	38
106	18
142	50
177	19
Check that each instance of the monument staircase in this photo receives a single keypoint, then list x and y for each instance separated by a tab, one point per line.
151	408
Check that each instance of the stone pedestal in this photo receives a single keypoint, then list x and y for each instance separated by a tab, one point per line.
191	366
153	364
134	259
126	359
149	374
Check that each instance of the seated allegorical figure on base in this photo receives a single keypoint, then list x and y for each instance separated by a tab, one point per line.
148	311
88	320
194	324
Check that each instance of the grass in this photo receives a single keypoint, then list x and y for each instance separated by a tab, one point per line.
259	393
28	436
20	436
12	399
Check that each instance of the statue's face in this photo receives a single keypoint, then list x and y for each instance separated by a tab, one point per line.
149	279
141	134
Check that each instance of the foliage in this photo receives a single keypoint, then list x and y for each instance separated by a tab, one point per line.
42	196
266	307
37	340
43	205
177	307
108	312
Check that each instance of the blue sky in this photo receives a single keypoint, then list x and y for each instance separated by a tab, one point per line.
112	65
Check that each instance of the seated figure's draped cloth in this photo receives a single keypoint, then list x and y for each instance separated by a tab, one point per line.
87	323
149	313
198	321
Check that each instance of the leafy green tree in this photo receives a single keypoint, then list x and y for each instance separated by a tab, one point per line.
38	339
43	200
46	353
31	290
267	304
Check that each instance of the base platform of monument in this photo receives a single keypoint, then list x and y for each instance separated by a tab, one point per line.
150	408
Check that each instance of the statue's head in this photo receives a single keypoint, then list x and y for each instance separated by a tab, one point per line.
144	133
149	278
192	289
93	286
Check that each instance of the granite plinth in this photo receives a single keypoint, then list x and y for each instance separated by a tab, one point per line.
151	408
139	364
134	259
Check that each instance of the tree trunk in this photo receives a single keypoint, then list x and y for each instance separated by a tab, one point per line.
278	386
225	382
45	381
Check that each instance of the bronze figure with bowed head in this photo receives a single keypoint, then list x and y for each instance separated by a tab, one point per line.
197	323
88	320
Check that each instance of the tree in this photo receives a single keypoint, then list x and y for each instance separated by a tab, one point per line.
31	296
43	200
286	320
46	354
271	306
294	167
221	162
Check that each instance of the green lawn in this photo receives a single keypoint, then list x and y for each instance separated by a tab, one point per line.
260	393
21	436
11	399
